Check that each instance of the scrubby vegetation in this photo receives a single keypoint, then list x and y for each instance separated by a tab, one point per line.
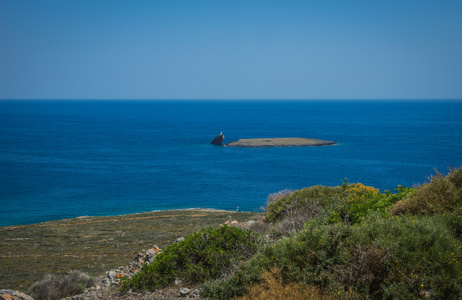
58	287
204	255
94	245
442	194
273	286
344	242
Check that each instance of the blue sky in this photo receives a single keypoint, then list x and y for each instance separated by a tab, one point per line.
78	49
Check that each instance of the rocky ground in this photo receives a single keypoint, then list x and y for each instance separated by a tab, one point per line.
113	293
107	287
94	245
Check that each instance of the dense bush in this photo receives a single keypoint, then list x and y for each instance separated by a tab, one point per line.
442	194
299	258
352	247
423	256
275	197
349	203
347	242
304	202
454	221
363	200
58	287
397	257
205	255
237	283
260	226
294	219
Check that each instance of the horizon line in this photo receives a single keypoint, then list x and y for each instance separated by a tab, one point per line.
230	99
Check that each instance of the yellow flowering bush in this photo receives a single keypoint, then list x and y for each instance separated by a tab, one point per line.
363	200
358	192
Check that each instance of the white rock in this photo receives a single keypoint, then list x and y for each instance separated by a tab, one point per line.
184	292
111	274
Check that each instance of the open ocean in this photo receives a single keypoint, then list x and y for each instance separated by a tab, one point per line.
64	159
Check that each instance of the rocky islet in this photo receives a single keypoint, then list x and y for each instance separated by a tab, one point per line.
280	142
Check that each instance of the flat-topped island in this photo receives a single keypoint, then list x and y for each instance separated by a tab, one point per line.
280	142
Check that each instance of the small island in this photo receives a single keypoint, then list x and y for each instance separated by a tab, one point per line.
280	142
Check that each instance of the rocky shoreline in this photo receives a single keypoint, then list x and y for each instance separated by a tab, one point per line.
280	142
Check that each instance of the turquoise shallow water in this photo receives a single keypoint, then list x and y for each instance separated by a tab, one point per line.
67	159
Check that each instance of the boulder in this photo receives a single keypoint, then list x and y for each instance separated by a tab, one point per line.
232	223
184	292
156	249
140	258
14	295
180	239
196	293
218	140
150	255
111	275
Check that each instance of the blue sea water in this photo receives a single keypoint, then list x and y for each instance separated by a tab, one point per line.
63	159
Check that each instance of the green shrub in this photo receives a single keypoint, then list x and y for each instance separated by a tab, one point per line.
442	194
424	256
276	197
307	252
294	219
315	196
300	258
454	221
349	203
201	256
260	226
394	257
342	242
364	200
236	284
58	287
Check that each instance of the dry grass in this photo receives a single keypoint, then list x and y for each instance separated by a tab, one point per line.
93	244
272	286
58	287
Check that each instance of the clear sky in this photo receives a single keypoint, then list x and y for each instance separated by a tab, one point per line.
219	49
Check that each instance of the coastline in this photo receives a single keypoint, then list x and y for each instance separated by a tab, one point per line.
49	181
198	209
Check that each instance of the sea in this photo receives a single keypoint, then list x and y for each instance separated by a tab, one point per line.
63	159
